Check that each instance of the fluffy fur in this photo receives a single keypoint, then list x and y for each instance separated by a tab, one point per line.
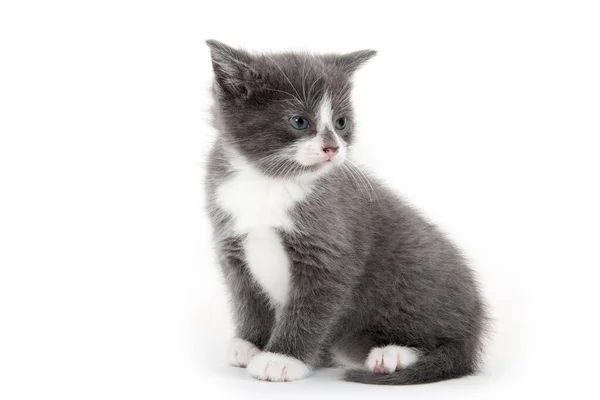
324	263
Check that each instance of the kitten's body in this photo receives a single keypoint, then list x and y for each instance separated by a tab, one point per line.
324	264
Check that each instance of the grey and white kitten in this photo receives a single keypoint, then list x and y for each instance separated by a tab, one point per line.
325	265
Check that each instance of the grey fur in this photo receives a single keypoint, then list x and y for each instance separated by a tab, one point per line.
367	269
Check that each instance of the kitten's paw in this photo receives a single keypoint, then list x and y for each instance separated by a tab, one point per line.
277	368
241	352
385	360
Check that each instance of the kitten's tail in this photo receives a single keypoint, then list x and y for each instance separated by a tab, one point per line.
445	362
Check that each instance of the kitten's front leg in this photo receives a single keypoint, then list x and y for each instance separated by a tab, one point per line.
313	304
252	314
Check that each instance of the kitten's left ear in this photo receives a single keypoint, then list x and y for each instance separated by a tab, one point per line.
350	62
233	71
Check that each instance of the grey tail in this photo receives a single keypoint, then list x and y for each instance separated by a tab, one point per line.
445	362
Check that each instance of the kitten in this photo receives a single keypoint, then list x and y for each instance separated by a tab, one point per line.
325	266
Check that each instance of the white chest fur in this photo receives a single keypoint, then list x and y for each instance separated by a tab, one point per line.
259	206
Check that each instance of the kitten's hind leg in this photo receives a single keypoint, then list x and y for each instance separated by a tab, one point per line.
447	361
360	353
385	360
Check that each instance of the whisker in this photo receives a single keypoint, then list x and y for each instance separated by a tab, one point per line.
274	165
352	177
313	85
319	91
285	76
365	178
280	169
294	98
303	80
285	171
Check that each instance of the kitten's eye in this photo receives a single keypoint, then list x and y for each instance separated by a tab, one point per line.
340	123
299	123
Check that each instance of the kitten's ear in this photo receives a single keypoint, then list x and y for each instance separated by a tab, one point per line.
232	69
350	62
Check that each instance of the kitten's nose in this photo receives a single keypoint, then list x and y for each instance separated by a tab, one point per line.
330	151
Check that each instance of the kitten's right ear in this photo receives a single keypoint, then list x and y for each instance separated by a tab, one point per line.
350	62
232	69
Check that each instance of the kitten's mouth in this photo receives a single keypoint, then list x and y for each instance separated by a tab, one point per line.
330	160
317	166
322	164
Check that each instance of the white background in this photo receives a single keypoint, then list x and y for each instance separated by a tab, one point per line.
485	115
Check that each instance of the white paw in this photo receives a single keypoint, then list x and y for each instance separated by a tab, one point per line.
277	368
241	352
385	360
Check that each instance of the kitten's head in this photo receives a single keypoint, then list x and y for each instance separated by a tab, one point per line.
287	114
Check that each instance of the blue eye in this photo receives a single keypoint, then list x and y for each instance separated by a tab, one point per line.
299	122
340	123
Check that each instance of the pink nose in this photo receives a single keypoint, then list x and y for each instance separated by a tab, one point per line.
330	151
